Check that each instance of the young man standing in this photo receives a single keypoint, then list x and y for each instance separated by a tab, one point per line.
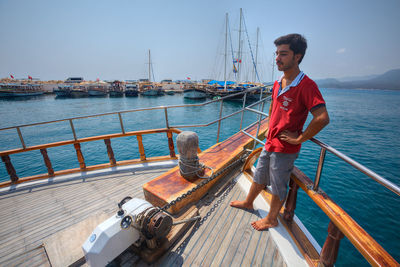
293	96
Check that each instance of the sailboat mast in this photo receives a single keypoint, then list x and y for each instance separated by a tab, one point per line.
239	59
255	64
226	48
273	67
149	67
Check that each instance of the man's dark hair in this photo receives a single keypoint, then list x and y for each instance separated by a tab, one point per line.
297	43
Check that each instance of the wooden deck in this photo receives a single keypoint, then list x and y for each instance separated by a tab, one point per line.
223	236
30	215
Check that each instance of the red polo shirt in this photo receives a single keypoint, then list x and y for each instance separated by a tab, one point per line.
290	110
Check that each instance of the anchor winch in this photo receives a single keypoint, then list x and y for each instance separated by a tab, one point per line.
136	223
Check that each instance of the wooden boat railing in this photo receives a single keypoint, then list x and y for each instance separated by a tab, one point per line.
169	130
341	224
14	179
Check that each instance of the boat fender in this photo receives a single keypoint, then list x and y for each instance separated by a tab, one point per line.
189	166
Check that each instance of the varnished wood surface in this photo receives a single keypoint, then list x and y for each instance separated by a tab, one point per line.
107	139
171	185
87	139
28	216
361	240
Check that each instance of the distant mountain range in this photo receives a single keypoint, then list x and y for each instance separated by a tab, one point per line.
389	80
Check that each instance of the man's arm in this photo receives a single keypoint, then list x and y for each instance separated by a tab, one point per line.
319	121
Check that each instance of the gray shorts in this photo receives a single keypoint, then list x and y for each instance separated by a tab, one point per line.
274	169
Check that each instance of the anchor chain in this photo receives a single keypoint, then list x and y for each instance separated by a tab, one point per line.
206	181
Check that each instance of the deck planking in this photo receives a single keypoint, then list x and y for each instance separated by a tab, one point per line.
29	215
224	237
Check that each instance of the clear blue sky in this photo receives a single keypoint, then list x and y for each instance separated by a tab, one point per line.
110	39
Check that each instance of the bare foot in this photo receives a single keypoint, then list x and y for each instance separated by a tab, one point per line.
241	205
264	224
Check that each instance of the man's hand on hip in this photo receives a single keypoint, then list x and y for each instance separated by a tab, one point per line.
290	137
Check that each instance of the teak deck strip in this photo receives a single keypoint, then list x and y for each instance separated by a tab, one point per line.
30	215
224	237
169	186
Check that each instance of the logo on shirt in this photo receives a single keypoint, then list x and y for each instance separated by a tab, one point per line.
286	102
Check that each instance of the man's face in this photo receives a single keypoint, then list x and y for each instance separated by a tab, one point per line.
285	58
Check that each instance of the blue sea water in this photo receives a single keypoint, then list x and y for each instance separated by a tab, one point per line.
364	125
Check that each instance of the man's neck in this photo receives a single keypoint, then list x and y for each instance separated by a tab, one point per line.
291	74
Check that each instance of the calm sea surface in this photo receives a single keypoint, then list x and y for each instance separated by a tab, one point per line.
365	125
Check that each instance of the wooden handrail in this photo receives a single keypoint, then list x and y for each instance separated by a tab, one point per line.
88	139
362	241
43	149
341	223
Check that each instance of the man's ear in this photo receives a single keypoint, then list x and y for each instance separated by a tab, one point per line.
297	57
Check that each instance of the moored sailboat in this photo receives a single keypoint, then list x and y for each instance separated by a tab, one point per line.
148	88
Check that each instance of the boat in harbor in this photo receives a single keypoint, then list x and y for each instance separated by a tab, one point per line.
116	89
151	90
222	89
63	90
146	210
97	89
194	93
20	89
194	90
131	89
147	87
218	89
79	90
169	92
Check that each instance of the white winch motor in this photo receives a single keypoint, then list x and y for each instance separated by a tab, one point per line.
136	221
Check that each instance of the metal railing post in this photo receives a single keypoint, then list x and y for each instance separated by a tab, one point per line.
21	138
319	168
261	92
243	106
166	117
120	121
219	119
73	129
259	121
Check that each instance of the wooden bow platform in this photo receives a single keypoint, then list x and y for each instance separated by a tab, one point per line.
170	185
